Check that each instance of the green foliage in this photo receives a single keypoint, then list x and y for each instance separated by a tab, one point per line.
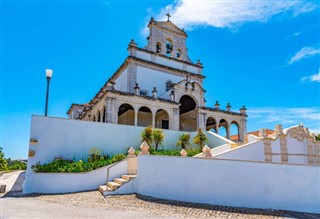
62	165
317	137
16	165
94	154
158	137
200	139
3	161
147	135
184	141
191	152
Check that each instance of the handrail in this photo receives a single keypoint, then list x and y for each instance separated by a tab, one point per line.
112	165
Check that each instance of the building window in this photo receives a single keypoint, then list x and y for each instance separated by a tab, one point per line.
158	48
169	47
143	92
178	53
169	84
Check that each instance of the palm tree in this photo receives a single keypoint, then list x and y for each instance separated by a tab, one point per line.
184	140
147	135
158	137
200	139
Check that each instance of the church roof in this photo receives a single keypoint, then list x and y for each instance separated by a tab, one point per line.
167	25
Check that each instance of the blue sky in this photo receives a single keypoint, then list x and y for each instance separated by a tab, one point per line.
262	54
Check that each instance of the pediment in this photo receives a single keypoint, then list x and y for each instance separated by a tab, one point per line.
168	25
184	84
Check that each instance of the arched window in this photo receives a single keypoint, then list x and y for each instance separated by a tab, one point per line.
179	53
158	47
169	47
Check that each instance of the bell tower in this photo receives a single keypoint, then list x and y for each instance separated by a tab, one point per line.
167	39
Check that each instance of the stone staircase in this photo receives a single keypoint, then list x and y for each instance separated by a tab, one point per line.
117	182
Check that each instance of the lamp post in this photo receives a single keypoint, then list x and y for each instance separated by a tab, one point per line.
48	75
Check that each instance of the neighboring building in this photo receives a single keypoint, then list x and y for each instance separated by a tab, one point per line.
158	85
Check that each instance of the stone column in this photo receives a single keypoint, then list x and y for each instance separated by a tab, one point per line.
201	121
267	150
242	129
228	132
108	115
136	117
153	119
176	119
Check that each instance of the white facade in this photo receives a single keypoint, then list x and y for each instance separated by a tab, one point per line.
230	182
159	86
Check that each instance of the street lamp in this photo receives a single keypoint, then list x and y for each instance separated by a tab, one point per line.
49	75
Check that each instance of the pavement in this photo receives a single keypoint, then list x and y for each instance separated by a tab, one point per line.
92	204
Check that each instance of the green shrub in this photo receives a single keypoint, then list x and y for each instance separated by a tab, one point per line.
17	166
200	139
61	165
147	135
184	140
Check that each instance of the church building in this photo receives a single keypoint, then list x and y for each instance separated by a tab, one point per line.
159	85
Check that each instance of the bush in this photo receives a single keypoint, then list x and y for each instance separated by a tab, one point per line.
17	166
184	140
200	139
147	135
61	165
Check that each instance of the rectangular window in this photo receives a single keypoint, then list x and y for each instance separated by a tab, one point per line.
143	92
165	124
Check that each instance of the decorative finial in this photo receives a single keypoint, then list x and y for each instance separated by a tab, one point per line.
168	15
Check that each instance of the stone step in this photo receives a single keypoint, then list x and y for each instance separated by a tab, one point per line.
104	188
128	177
113	185
120	181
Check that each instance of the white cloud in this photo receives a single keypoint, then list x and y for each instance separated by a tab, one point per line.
231	13
304	52
312	78
309	116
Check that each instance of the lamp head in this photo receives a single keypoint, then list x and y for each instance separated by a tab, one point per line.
49	73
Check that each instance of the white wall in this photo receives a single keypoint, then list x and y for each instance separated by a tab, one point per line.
231	183
149	78
70	182
253	151
73	139
167	62
121	82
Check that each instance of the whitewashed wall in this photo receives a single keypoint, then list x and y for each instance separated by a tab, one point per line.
253	151
149	78
231	183
70	182
73	139
122	81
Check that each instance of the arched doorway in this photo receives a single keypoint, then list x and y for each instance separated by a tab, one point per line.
234	131
188	114
223	128
162	119
211	125
126	114
144	116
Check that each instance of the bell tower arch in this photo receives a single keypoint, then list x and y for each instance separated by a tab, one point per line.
167	39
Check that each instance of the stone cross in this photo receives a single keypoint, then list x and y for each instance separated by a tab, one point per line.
168	15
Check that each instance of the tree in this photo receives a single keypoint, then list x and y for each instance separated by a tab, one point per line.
3	161
200	139
184	140
158	137
147	135
317	137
